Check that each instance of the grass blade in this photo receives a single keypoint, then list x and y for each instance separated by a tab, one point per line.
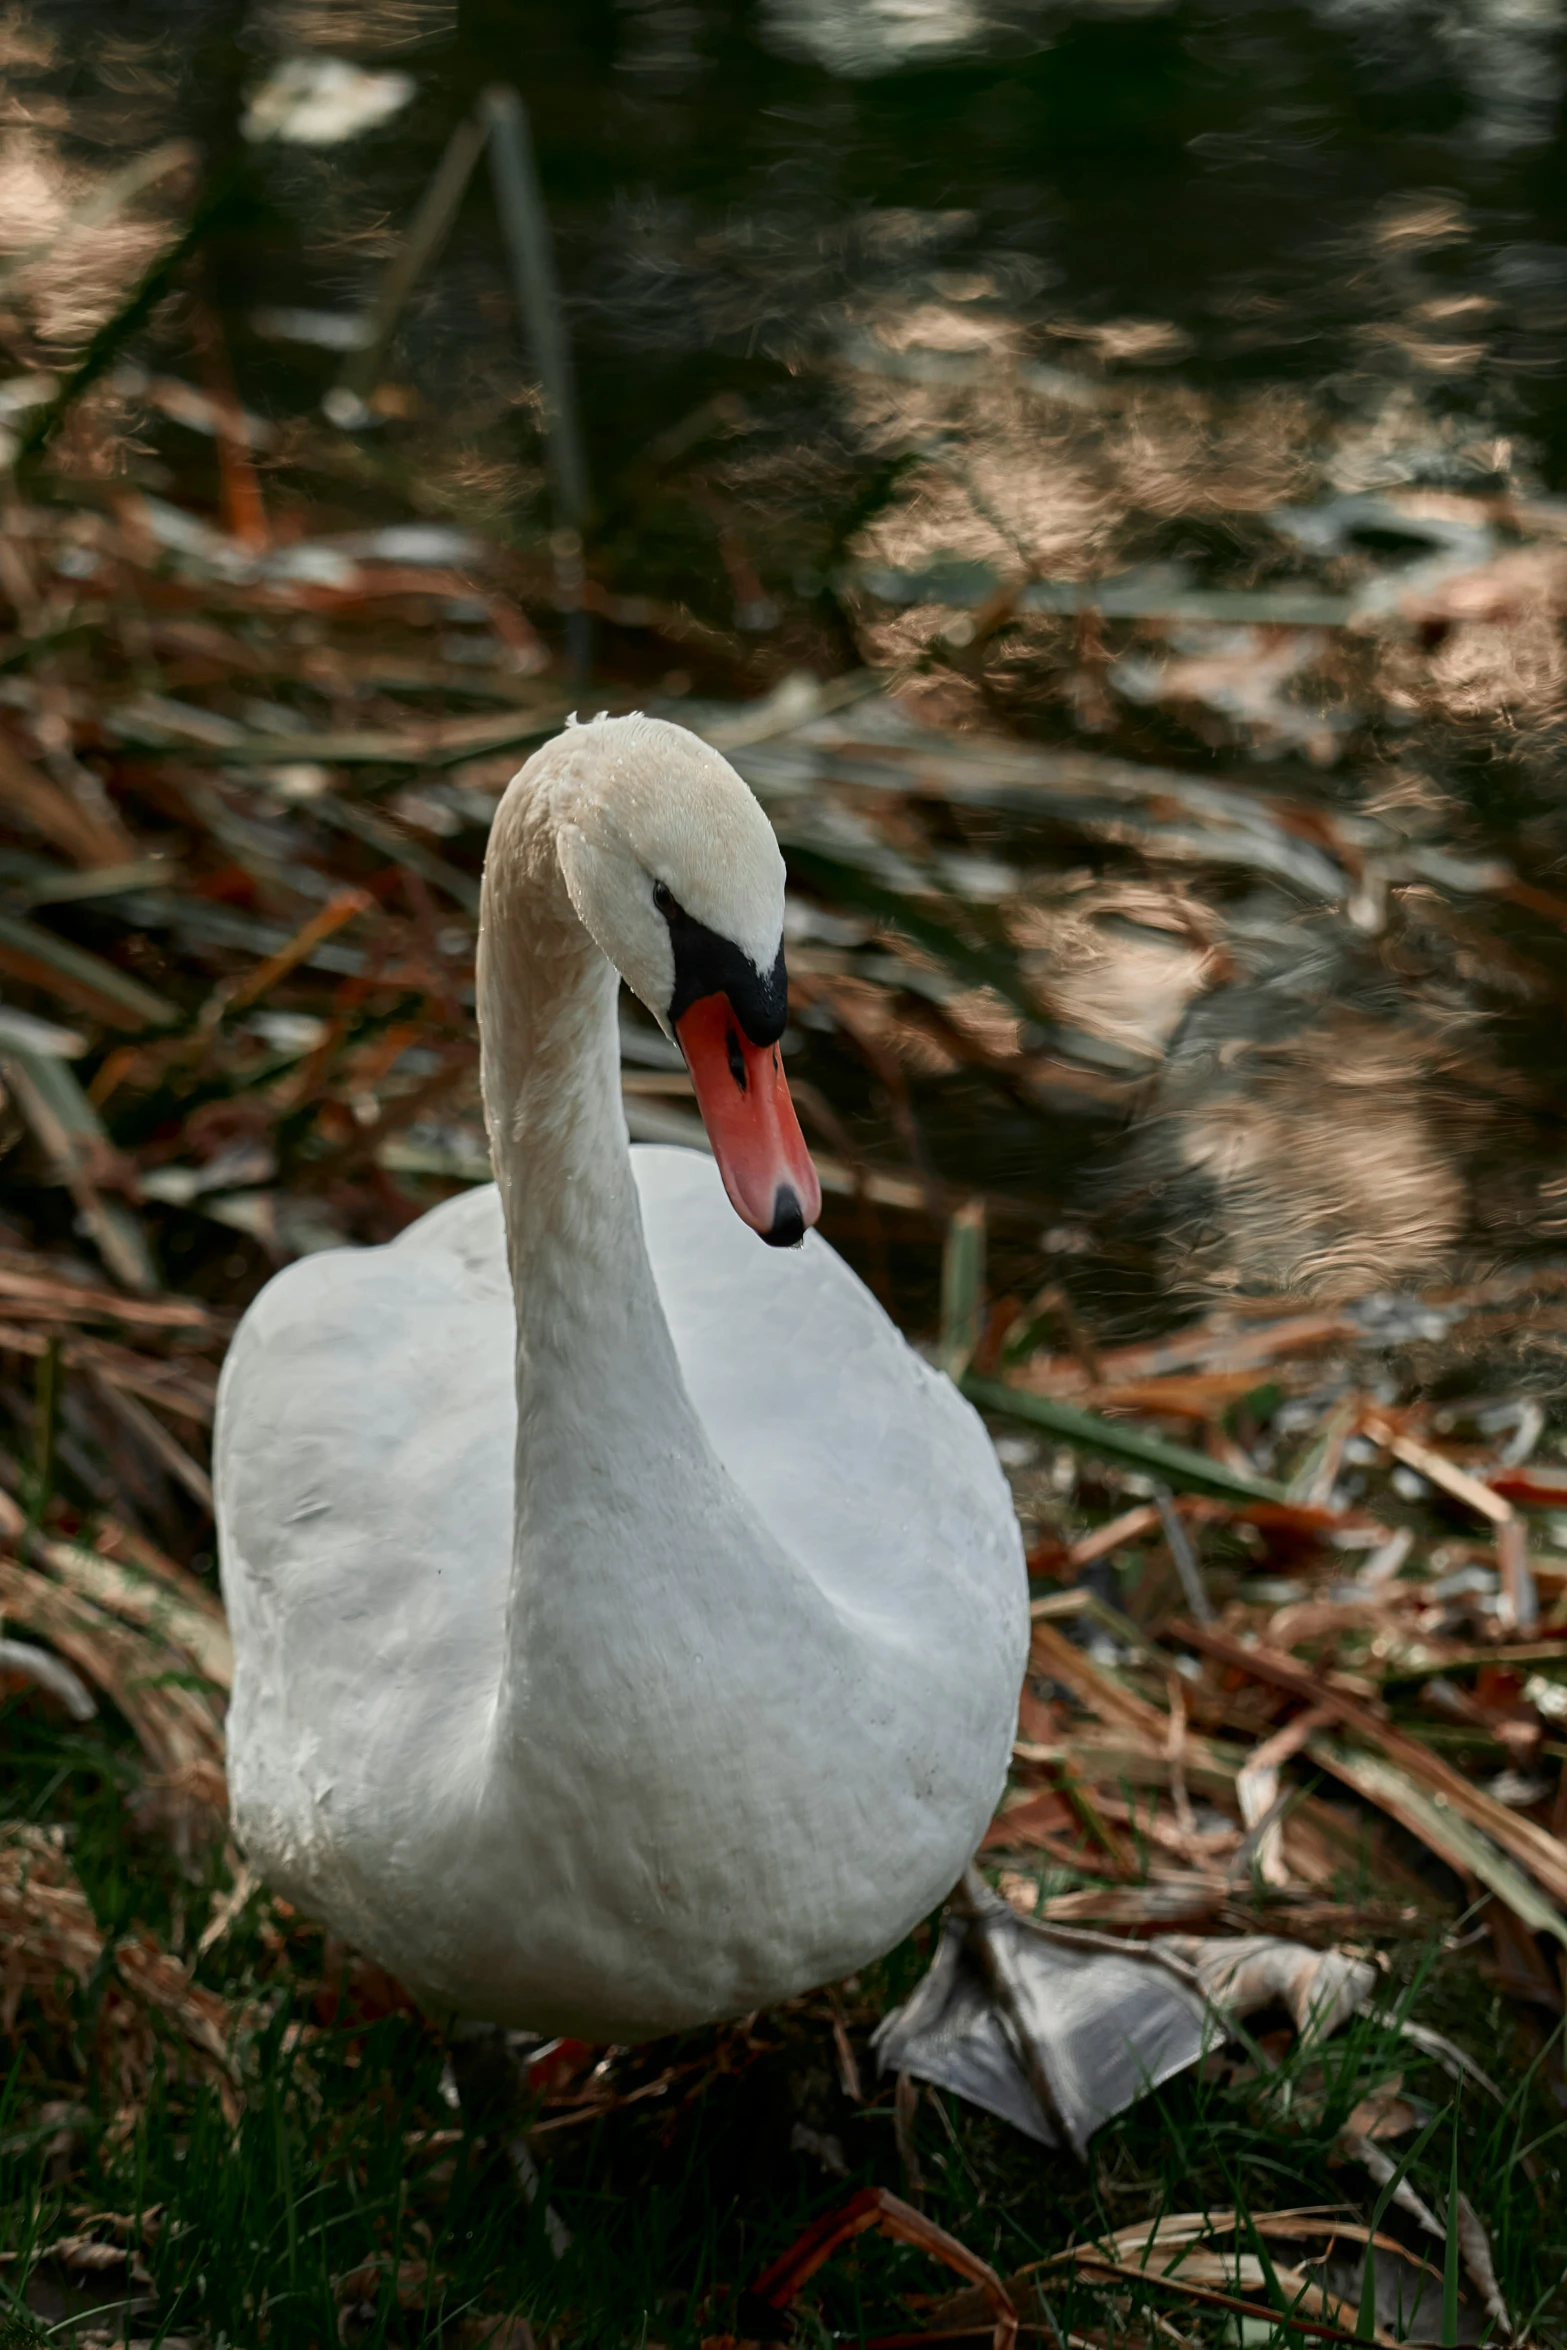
1177	1464
962	1288
1366	2320
1451	2253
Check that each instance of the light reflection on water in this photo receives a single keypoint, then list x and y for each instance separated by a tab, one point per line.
875	36
1128	314
1502	54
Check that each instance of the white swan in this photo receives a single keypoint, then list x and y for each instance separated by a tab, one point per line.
628	1624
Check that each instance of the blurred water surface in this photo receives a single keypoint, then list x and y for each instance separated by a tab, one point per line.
1172	390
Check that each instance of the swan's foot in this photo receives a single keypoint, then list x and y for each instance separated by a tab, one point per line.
487	2069
1056	2028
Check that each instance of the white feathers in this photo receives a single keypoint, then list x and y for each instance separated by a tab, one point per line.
636	801
628	1624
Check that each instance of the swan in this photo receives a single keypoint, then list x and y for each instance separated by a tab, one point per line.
628	1624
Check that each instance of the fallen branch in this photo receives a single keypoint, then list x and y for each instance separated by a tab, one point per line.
874	2207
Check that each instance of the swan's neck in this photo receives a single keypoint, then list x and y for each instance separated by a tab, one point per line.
605	1428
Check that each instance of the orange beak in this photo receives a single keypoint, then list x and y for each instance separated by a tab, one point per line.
744	1100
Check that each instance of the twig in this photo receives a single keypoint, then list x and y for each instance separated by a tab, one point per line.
1175	1754
1257	1790
165	1448
244	507
72	1135
905	2105
1427	1462
32	1293
874	2207
525	227
1520	1599
843	2048
1184	1555
427	232
341	907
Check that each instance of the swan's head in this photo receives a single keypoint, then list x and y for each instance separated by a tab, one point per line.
675	873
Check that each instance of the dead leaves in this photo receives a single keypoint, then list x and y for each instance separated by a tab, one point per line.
1299	2272
51	1949
1340	1676
150	1640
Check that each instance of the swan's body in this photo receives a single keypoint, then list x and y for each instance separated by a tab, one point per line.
691	1688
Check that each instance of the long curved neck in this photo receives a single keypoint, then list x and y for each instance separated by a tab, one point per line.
604	1424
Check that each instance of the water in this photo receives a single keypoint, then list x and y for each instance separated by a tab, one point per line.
882	310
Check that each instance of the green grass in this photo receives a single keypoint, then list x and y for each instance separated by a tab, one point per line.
676	2201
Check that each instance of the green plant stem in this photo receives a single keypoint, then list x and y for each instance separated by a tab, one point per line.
1176	1463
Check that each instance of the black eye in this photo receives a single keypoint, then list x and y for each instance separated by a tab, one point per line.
664	898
